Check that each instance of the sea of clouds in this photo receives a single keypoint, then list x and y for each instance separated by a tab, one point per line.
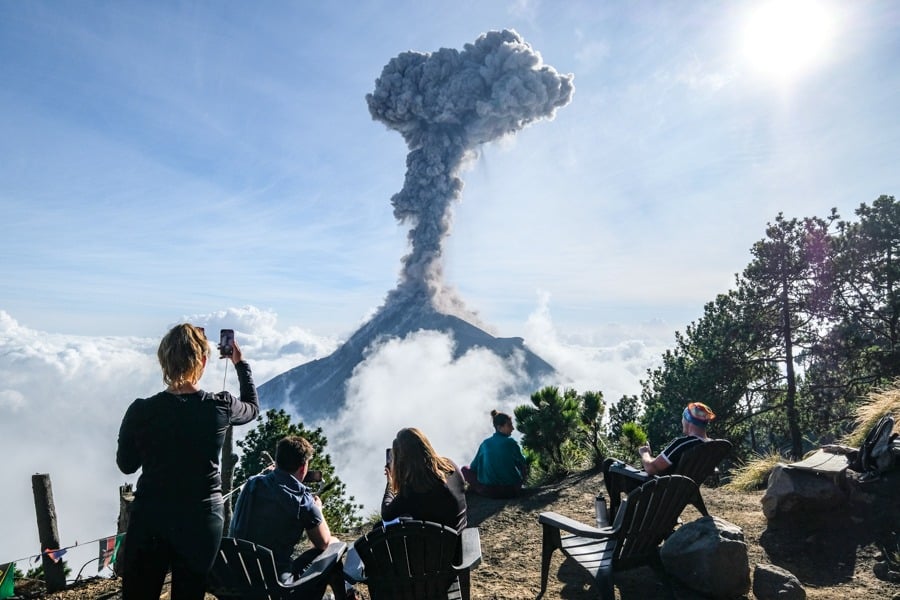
62	399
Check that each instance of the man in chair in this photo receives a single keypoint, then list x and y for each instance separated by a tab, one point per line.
275	510
620	478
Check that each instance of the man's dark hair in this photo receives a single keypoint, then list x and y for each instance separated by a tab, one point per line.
292	452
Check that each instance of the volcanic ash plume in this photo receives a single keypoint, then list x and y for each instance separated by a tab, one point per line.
445	104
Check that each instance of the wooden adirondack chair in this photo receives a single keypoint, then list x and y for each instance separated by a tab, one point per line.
246	571
647	516
698	463
415	560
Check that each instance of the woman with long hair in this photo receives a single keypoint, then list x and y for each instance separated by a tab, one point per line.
421	484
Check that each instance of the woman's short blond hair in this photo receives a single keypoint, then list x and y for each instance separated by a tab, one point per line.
181	354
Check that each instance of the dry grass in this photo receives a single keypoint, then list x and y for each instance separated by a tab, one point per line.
754	474
878	404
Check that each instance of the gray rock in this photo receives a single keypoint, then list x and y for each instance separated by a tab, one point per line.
774	583
709	556
793	490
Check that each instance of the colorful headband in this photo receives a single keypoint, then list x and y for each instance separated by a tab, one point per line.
699	414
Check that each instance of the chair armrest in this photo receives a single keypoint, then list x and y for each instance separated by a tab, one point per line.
576	527
471	549
325	561
626	470
354	569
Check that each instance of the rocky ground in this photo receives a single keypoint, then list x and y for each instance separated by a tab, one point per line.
833	554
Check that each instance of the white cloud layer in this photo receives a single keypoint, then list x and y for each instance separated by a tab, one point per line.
63	398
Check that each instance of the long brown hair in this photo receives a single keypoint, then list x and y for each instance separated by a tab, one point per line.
415	465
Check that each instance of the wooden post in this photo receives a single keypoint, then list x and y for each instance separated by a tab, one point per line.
126	497
54	575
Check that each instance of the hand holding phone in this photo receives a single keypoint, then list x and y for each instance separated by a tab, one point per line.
226	343
388	457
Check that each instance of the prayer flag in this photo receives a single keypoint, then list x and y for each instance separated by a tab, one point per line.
55	555
107	547
119	539
7	582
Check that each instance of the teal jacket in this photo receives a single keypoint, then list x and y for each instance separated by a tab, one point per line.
499	461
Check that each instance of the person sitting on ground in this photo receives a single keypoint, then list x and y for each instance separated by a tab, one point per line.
421	484
694	420
275	509
499	469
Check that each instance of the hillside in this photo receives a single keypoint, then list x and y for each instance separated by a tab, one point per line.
833	554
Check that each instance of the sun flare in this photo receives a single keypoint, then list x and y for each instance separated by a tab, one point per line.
784	39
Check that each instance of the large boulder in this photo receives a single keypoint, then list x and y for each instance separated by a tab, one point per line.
791	490
709	556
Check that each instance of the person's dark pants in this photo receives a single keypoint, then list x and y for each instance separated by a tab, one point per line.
490	491
161	537
620	479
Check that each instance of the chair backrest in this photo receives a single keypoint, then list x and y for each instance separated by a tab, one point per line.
409	560
699	462
244	571
648	515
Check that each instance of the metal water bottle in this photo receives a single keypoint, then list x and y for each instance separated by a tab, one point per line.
600	510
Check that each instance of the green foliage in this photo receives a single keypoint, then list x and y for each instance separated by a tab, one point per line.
546	424
341	512
633	437
562	433
626	410
38	572
592	409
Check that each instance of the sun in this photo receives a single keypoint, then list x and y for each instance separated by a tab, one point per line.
785	39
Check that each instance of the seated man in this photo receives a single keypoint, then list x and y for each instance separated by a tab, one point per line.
275	510
620	478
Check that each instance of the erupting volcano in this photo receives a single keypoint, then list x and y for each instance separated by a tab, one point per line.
445	105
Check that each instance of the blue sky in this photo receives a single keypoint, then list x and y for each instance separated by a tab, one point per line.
161	159
216	162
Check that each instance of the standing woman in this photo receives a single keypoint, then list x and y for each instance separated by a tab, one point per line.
421	484
499	469
176	438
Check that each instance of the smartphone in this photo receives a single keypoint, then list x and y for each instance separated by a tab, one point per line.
313	476
226	342
387	456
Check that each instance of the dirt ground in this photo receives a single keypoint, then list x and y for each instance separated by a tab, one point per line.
833	554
